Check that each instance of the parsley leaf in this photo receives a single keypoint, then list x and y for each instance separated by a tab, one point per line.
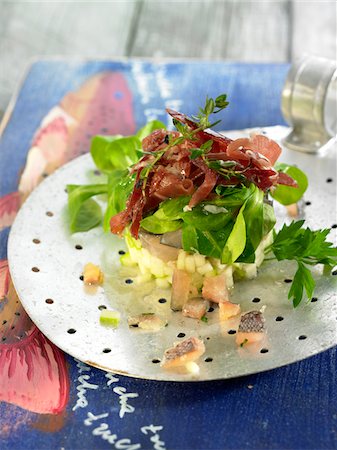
306	247
302	279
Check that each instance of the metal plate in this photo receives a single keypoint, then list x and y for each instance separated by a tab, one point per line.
46	265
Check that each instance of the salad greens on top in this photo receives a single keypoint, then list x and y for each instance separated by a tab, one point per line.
216	191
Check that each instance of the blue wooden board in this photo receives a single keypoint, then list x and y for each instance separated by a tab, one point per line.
292	407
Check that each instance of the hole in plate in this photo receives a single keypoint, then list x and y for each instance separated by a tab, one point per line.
71	331
4	322
49	214
128	281
288	280
101	307
156	360
308	203
78	247
329	180
81	277
264	350
279	318
17	313
181	335
314	299
256	300
162	300
36	241
35	269
49	301
231	331
302	337
334	225
121	252
106	350
211	309
208	359
334	272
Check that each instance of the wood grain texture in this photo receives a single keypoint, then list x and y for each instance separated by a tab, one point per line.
244	31
249	30
314	28
85	29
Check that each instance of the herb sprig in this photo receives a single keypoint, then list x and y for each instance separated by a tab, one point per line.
307	248
212	106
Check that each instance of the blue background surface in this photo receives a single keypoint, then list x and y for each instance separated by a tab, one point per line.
292	407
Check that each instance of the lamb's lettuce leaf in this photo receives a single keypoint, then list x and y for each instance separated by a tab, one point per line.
117	152
84	212
236	241
286	195
112	155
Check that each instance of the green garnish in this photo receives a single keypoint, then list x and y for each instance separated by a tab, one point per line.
229	225
211	107
204	319
307	248
244	342
110	318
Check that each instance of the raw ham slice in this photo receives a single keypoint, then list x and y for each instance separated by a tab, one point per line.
158	140
171	172
220	142
207	185
283	178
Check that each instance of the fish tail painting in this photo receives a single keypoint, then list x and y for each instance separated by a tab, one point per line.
33	371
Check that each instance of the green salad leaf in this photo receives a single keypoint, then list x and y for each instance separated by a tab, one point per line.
307	248
286	195
149	128
112	155
84	212
120	185
236	241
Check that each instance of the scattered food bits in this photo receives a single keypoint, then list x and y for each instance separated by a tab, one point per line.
195	308
252	321
292	210
92	275
192	368
148	322
215	288
228	310
183	352
110	318
181	284
251	328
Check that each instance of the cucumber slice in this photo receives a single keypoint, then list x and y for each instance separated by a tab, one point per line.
110	318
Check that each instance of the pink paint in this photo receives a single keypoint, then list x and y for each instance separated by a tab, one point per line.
4	278
103	105
33	374
48	152
9	206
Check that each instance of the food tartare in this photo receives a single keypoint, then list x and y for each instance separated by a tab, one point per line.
196	209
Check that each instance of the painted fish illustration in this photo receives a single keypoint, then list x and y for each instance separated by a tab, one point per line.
33	371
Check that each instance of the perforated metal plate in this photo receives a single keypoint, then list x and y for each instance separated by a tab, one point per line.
46	263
